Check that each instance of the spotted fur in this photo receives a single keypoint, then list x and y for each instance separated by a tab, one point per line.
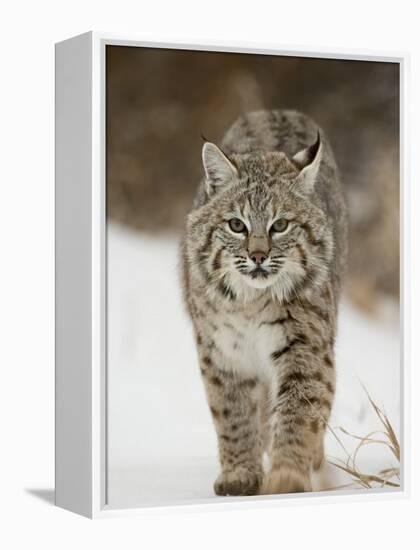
264	303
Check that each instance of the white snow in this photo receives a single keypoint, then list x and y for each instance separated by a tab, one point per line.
161	441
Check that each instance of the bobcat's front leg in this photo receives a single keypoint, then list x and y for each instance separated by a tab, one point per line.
233	405
302	395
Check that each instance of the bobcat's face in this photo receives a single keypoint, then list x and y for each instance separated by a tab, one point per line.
267	236
259	238
263	231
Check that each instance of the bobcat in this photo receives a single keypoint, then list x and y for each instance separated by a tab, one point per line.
262	260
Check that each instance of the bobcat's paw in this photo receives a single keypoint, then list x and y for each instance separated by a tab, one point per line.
285	480
239	482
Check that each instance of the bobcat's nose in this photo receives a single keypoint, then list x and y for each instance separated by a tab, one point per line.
258	257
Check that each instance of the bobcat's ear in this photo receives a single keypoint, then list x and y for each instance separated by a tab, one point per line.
308	162
218	168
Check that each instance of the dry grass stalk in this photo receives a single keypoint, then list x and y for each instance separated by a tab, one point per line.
389	477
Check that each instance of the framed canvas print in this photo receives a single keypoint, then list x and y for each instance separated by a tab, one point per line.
228	290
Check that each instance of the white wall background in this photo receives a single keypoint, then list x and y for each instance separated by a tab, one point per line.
28	31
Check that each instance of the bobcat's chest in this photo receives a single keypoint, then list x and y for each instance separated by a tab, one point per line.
246	344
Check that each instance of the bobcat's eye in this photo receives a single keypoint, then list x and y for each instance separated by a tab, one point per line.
237	225
280	225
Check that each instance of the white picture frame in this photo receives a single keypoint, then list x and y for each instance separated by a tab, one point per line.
81	391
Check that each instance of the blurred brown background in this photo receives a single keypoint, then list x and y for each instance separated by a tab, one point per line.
159	102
